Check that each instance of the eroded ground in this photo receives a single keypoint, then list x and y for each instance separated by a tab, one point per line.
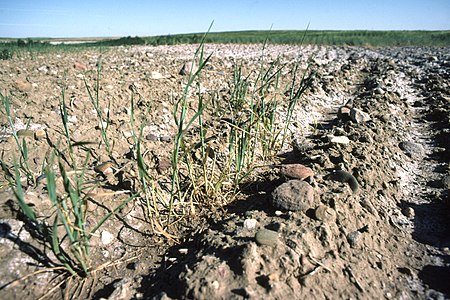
388	239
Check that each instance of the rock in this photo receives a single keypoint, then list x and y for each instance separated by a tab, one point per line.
250	224
358	116
409	212
152	137
163	164
188	68
343	176
354	237
43	69
72	119
433	58
39	134
296	171
165	138
106	237
378	91
156	75
105	168
80	66
338	139
294	195
266	237
324	213
344	113
25	133
23	85
123	289
413	150
367	204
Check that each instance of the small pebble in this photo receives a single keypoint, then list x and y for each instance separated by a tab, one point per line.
353	238
413	150
183	250
106	237
378	91
80	66
39	134
25	133
343	113
409	212
250	224
104	168
156	75
165	138
151	137
105	253
338	139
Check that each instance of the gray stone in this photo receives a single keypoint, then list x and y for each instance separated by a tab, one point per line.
294	195
378	91
358	116
338	139
413	150
354	237
266	237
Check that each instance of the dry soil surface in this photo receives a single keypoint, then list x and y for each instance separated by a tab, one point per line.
373	128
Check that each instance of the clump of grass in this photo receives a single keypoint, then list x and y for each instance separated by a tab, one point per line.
203	175
64	231
21	144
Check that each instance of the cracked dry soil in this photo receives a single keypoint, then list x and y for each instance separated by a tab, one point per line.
389	238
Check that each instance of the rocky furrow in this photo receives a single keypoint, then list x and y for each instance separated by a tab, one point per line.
354	240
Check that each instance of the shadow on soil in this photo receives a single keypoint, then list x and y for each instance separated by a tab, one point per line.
167	279
432	227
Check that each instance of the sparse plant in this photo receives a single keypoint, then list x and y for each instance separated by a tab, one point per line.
21	144
64	228
103	119
66	234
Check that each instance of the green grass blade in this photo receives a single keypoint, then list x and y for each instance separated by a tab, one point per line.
111	213
26	209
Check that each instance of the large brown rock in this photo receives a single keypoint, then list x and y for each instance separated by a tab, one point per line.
294	195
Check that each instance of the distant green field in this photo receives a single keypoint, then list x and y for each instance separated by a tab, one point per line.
365	38
328	37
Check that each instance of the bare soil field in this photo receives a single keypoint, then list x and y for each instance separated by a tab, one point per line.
352	202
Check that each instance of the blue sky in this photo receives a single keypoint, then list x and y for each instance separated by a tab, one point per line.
97	18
